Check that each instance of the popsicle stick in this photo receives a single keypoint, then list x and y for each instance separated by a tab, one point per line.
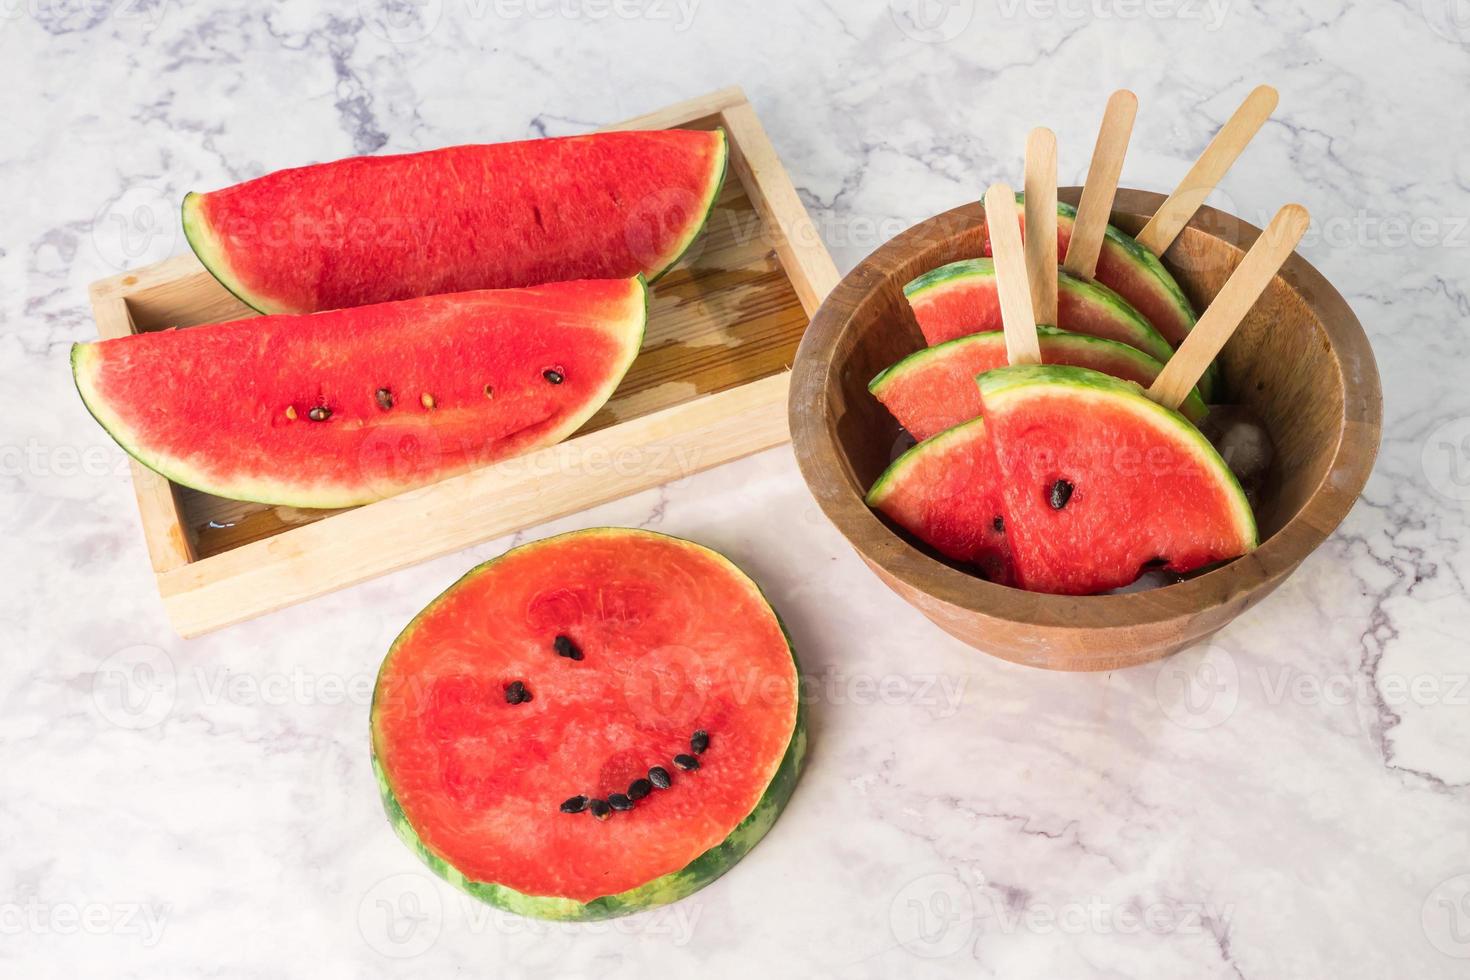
1041	223
1096	206
1016	314
1230	306
1239	129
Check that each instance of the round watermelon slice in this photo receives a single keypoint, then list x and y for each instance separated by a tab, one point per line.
945	491
1098	482
934	388
589	725
961	298
375	229
345	407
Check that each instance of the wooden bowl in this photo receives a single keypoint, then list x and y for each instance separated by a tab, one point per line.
1300	361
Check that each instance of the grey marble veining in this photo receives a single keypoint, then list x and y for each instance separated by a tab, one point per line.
1291	800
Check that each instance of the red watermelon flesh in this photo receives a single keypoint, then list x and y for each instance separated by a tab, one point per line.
672	639
945	491
934	389
340	408
962	298
375	229
1098	481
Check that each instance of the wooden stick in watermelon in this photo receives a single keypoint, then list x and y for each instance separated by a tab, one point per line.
1096	207
1016	314
1230	306
1219	155
1041	217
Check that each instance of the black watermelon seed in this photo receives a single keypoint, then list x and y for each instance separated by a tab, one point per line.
999	524
319	414
552	375
1061	492
659	776
639	788
564	647
699	741
619	801
385	399
574	805
599	808
516	693
686	762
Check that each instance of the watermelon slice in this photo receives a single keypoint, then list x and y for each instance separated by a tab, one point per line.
1098	481
589	725
1131	271
933	389
342	408
961	298
945	491
1137	275
374	229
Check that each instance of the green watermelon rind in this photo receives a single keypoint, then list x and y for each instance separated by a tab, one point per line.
1146	337
1141	256
215	258
997	385
695	229
281	494
890	478
1194	407
660	891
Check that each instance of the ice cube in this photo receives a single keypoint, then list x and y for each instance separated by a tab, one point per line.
1242	442
1153	578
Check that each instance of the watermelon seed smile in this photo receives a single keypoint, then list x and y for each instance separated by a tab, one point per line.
699	741
639	788
600	809
686	762
1061	492
619	801
659	776
576	804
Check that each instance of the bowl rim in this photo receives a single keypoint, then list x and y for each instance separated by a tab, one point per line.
818	457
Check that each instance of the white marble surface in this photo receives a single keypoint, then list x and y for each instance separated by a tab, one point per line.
1293	800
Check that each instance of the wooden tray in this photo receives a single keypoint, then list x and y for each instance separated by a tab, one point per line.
710	386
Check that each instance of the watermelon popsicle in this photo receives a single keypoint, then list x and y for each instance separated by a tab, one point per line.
962	297
1078	451
1129	268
